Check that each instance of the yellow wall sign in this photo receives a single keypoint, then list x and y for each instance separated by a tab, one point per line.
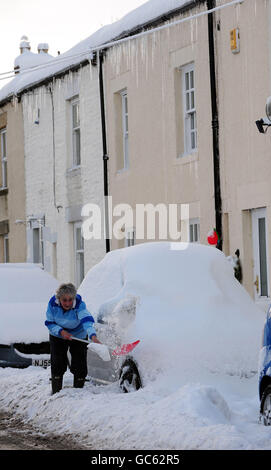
235	40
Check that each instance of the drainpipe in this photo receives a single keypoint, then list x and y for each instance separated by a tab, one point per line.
50	88
215	124
105	155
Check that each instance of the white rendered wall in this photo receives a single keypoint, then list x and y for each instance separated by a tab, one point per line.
73	188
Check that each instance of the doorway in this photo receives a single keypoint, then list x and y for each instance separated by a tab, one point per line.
260	256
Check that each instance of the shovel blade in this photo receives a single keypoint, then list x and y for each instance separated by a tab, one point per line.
125	349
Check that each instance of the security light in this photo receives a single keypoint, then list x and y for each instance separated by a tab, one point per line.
265	122
268	108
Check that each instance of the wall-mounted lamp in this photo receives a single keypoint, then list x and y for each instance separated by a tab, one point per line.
265	122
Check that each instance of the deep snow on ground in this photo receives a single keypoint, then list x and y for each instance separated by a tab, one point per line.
213	412
200	335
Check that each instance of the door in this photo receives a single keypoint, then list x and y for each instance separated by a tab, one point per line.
260	254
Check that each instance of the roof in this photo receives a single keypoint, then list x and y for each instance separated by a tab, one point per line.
142	17
31	59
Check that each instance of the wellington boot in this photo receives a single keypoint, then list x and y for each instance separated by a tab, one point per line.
56	384
78	382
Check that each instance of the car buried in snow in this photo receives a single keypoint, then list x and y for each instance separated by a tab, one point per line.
265	372
185	306
25	290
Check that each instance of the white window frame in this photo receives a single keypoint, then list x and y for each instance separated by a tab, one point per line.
6	249
189	108
194	231
262	298
76	159
3	136
125	128
77	253
39	228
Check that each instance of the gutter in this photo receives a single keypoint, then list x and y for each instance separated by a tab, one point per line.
215	126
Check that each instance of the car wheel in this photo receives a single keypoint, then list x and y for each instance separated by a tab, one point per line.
129	377
266	406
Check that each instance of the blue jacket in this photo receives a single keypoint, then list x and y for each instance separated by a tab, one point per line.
77	321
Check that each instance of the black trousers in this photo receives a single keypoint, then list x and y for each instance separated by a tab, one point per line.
59	360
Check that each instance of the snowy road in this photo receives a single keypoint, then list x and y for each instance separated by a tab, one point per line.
216	412
16	435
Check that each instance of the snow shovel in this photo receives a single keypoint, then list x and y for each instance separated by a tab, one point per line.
103	351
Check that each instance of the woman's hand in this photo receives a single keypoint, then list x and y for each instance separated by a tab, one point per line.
65	335
95	339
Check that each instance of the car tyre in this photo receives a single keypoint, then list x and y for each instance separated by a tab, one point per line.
129	377
266	406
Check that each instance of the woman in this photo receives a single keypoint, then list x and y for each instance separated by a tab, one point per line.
68	316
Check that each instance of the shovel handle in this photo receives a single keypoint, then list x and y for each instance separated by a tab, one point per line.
79	339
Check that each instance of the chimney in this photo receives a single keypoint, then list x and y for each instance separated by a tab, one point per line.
43	47
24	44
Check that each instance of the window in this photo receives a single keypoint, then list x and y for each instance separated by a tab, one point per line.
125	134
260	253
194	235
79	254
3	148
38	246
130	237
190	121
76	146
6	249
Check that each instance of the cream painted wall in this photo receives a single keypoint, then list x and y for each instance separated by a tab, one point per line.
12	205
149	69
243	86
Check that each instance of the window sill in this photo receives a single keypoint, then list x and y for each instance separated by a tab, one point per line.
185	158
73	169
123	171
3	191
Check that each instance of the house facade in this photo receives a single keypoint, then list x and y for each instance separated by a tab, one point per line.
159	132
181	97
161	147
64	172
244	79
51	163
12	187
13	220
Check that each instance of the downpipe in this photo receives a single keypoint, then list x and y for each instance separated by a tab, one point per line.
211	4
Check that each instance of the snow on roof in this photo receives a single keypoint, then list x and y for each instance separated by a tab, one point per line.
30	59
146	13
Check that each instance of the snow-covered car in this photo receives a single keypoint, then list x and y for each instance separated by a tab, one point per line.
185	306
24	294
265	372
